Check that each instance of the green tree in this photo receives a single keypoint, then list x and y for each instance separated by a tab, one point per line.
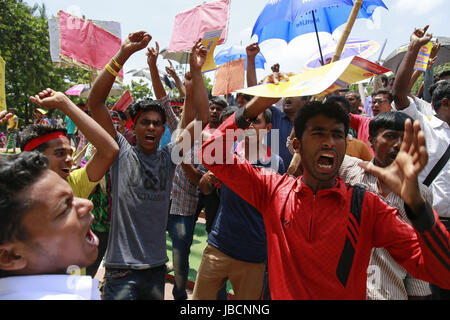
25	46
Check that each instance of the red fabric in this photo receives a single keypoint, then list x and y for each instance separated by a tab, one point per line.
124	102
361	125
191	25
33	144
87	43
306	232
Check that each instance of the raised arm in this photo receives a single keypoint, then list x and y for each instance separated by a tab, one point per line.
188	113
171	71
102	86
252	50
200	98
400	89
107	148
152	57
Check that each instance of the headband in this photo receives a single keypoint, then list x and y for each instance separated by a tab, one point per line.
36	142
137	116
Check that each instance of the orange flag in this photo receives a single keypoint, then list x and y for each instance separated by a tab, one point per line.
229	77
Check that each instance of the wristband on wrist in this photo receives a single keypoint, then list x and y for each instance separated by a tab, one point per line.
116	63
111	70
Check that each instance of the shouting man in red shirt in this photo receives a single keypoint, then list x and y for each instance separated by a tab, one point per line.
320	231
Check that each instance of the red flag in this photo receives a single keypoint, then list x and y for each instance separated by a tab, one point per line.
192	24
124	102
86	43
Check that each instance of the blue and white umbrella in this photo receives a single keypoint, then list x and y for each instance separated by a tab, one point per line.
236	52
288	19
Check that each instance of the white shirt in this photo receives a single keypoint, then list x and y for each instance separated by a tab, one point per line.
49	287
437	138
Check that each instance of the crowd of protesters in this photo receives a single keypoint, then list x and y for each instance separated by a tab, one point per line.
304	198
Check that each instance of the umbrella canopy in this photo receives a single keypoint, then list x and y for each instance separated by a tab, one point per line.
182	57
395	58
115	91
144	73
236	52
353	47
286	20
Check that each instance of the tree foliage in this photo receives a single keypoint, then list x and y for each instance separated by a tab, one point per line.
25	47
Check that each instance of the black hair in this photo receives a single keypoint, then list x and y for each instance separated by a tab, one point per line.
342	100
385	91
392	120
444	73
146	105
439	91
122	115
357	95
228	111
328	109
267	116
17	172
219	101
384	80
34	131
246	97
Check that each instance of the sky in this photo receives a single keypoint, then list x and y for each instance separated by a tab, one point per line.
393	26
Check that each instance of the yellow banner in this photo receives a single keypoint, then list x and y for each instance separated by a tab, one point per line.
2	85
423	57
210	40
320	81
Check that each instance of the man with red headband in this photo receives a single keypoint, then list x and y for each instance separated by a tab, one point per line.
52	141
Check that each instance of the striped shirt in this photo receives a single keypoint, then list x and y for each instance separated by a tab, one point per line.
386	279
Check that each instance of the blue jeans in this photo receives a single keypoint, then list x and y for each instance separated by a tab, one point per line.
181	231
129	284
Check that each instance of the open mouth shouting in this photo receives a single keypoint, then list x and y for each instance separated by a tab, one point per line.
65	172
90	237
326	161
150	138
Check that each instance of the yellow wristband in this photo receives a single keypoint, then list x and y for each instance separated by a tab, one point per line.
116	63
111	70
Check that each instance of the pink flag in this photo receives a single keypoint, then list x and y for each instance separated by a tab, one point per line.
191	25
76	90
85	42
123	102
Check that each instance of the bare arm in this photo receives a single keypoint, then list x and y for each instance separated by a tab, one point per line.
207	182
400	89
171	71
252	50
152	54
193	174
107	148
104	82
200	97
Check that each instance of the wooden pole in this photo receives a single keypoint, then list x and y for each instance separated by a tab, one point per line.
348	29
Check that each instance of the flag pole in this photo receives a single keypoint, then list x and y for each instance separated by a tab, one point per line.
348	29
317	36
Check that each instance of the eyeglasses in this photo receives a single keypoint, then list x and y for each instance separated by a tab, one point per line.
155	123
380	101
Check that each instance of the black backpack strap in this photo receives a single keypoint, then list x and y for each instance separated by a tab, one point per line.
437	167
346	260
